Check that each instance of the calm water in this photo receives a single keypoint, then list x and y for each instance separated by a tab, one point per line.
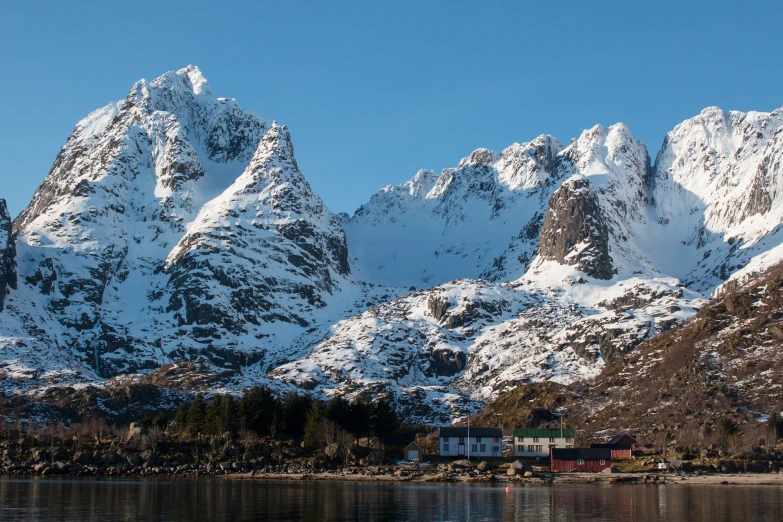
114	500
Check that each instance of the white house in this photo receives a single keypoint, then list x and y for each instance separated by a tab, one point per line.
535	442
470	442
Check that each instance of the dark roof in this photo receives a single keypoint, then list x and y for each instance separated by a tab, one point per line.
618	438
453	431
613	446
581	453
543	432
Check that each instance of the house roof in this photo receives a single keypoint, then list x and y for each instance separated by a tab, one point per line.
543	432
581	453
618	438
414	443
454	431
613	446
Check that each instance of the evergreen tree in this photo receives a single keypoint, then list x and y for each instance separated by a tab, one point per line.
384	419
295	410
197	414
181	418
257	408
339	411
212	423
361	414
228	416
161	421
315	416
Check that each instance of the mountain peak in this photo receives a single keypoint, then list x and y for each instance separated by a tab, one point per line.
480	157
712	111
186	79
276	143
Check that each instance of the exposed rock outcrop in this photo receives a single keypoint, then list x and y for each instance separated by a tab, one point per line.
574	231
7	254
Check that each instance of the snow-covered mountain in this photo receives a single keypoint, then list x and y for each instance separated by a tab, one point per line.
172	225
175	225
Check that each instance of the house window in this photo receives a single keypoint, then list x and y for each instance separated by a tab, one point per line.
473	448
521	440
483	448
539	448
535	439
570	440
520	448
462	440
496	449
603	462
551	439
478	439
580	462
567	446
445	446
530	448
496	439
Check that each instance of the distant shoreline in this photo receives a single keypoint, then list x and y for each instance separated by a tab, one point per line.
539	479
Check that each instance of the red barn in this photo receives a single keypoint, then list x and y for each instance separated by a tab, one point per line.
581	459
624	438
619	451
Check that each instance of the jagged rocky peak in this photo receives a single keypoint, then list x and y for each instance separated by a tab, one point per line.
189	78
574	231
267	251
7	254
173	124
724	162
480	157
272	194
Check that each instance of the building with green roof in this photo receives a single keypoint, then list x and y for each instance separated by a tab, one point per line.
539	442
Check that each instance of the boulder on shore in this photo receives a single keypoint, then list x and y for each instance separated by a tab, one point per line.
485	466
521	467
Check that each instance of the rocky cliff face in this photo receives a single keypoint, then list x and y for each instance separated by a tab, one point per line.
7	254
574	231
265	252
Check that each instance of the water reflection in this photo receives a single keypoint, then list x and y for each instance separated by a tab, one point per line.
114	500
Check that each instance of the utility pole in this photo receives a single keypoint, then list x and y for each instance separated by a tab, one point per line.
468	432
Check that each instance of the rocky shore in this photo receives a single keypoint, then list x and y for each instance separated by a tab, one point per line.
155	454
147	464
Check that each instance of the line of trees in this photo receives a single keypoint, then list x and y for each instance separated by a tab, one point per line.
298	416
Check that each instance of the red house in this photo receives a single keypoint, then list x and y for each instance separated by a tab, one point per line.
619	451
624	438
580	459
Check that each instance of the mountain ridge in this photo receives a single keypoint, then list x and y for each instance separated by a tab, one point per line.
176	226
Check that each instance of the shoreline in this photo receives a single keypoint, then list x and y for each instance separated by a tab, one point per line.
498	479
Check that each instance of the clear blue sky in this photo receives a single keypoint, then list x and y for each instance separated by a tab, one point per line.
373	91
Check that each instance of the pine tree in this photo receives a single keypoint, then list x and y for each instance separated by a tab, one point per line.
384	419
361	413
295	410
181	418
312	427
258	407
197	415
212	423
228	415
339	411
161	421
